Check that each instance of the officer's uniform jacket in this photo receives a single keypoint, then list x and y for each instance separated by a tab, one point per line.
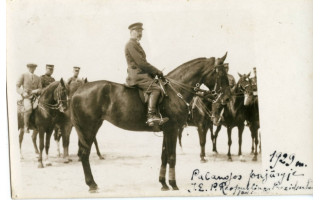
139	71
29	82
46	80
73	80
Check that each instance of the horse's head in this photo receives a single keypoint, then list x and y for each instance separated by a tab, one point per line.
245	87
61	96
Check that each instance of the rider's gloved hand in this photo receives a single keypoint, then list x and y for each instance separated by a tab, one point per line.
159	74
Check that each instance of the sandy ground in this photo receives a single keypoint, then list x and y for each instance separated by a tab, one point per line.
131	165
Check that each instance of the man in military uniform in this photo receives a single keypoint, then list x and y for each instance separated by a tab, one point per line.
141	73
74	78
28	86
46	79
231	79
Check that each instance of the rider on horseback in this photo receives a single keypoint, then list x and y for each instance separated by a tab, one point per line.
142	74
31	87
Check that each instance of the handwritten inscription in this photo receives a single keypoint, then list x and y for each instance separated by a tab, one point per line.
272	179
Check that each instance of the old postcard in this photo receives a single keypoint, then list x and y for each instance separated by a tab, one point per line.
159	98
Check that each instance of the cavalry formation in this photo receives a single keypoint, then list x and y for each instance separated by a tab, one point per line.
86	105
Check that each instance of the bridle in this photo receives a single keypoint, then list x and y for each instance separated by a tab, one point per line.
59	93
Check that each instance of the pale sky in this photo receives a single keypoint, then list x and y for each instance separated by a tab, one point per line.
92	35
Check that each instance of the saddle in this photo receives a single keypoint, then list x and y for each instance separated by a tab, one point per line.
145	96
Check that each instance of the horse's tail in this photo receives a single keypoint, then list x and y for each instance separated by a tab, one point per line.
77	125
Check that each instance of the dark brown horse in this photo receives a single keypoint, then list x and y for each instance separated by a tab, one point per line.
65	125
231	115
252	115
97	101
53	99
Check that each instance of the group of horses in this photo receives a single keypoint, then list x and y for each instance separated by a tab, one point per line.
87	104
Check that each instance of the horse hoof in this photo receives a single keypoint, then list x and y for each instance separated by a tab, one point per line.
164	188
69	159
173	184
66	161
230	159
203	160
254	158
93	189
40	165
101	157
48	164
175	188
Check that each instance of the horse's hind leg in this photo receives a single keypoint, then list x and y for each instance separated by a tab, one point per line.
97	149
48	136
34	141
86	137
163	167
21	133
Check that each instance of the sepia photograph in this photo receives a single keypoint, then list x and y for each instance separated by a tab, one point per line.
159	98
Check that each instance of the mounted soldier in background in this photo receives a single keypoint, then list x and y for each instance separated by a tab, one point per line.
29	87
142	74
47	79
74	78
232	81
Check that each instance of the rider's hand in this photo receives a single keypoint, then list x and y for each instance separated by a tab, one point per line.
24	94
34	91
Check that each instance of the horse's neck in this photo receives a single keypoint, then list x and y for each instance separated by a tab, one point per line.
188	76
47	97
235	104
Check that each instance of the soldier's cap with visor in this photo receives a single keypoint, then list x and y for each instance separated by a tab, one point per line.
136	26
49	66
76	68
29	65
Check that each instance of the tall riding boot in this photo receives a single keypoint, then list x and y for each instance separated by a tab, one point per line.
152	104
26	117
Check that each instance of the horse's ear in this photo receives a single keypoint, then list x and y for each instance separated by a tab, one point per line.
224	57
62	82
248	75
240	75
85	80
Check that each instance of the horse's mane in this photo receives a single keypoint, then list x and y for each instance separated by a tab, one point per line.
191	62
49	89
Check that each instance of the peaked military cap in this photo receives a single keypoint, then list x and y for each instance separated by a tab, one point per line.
134	26
31	65
76	68
49	66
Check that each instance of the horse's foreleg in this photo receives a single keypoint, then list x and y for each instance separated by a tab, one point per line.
163	167
214	138
41	138
240	131
252	147
171	142
48	136
21	133
259	133
34	141
86	138
256	141
65	132
57	136
202	132
97	149
229	143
